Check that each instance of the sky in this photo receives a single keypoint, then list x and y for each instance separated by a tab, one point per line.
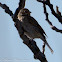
12	48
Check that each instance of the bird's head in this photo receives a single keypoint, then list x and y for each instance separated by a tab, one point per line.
24	12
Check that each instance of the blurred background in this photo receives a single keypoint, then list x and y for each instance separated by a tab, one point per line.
12	48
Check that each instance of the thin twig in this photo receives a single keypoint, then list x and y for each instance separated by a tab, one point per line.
47	2
6	8
47	19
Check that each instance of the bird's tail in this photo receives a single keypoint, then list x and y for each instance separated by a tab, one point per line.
48	46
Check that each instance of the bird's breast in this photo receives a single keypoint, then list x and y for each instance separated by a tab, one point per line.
31	31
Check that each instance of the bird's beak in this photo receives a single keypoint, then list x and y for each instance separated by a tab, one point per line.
30	11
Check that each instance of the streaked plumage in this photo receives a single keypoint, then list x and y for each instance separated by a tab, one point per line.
31	27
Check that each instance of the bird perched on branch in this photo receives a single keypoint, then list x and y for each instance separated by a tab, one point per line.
31	27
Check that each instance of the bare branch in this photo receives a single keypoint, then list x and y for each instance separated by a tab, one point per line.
21	5
57	10
47	2
6	8
51	25
43	48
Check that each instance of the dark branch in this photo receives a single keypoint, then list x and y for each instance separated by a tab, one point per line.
43	48
57	10
47	2
51	25
6	8
21	5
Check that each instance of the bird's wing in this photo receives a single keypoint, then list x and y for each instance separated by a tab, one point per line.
35	23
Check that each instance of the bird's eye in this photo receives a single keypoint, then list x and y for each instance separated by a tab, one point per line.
25	11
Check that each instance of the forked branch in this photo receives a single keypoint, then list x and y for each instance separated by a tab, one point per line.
47	2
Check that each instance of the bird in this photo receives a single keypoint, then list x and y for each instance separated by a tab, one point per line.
31	27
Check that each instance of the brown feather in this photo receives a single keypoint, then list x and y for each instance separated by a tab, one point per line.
35	23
